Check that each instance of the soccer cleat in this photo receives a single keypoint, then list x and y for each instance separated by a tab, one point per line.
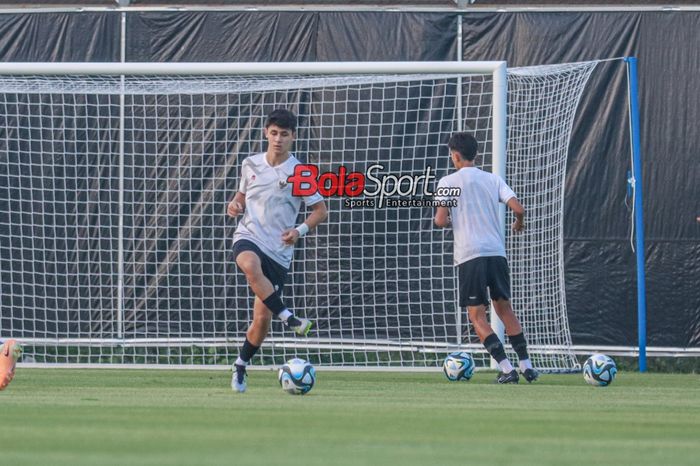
530	375
239	381
508	377
10	352
303	328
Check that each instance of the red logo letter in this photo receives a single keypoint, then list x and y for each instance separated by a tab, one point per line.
304	180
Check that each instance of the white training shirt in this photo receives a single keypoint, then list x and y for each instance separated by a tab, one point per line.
475	222
270	208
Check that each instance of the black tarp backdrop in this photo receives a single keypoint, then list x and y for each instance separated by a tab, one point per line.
59	37
290	36
600	268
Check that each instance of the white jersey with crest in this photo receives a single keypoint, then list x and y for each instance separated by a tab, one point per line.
270	208
476	225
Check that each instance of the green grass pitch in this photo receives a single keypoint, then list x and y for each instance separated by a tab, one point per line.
130	417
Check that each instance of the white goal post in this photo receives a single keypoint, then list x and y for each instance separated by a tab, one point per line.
115	247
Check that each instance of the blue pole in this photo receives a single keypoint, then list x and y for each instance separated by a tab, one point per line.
638	211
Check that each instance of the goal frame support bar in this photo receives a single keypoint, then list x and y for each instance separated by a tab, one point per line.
636	184
500	136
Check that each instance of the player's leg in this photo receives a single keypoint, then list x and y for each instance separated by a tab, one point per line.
266	279
504	310
482	327
473	295
499	285
249	263
10	352
255	336
260	327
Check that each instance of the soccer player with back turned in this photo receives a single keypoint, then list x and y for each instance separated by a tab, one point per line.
265	236
480	255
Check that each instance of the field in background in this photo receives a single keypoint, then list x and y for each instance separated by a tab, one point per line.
119	417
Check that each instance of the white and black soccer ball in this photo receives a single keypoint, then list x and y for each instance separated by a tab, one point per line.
599	370
458	366
297	377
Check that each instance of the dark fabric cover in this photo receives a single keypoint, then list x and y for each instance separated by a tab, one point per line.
290	36
599	262
59	37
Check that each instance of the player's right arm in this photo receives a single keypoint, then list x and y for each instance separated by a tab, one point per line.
237	205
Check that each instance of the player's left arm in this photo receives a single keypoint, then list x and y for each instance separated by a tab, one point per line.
318	215
519	211
507	196
442	214
442	217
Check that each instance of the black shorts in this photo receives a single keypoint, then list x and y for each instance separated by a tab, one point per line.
480	273
272	269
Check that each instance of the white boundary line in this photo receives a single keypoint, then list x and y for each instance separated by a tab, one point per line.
192	367
353	345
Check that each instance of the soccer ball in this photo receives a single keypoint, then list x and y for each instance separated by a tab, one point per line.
599	370
297	377
458	366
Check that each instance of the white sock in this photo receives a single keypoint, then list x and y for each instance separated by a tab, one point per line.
524	365
506	366
284	315
240	362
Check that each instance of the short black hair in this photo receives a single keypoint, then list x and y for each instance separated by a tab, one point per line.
282	118
465	144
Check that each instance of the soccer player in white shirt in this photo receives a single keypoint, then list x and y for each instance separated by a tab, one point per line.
480	255
263	243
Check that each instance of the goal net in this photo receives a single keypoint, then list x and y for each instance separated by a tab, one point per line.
115	247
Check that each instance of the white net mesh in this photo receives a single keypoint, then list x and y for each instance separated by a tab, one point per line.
542	103
115	247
